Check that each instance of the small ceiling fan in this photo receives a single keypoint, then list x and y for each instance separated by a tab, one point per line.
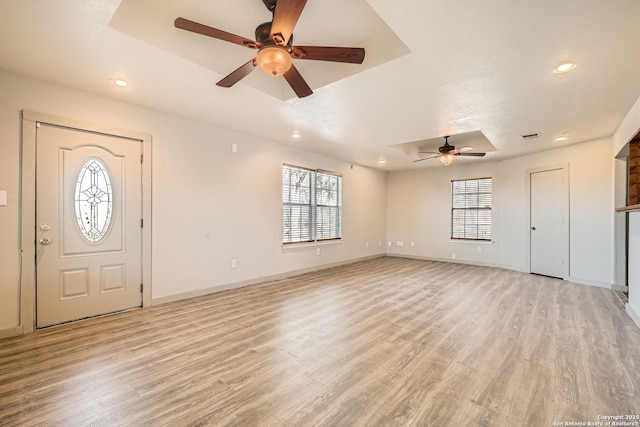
447	153
274	42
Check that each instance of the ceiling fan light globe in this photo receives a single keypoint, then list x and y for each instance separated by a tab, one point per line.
274	60
446	159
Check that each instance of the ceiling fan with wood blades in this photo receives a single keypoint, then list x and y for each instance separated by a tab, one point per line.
274	42
447	153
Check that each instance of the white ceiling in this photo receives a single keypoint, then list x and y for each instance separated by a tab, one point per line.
152	21
471	66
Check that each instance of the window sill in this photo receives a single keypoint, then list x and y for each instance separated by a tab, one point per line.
472	242
310	244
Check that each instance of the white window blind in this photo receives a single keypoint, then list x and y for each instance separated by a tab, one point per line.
311	205
471	209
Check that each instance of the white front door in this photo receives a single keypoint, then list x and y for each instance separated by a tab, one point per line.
88	224
548	225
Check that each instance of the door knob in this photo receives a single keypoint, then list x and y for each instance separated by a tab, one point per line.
45	241
533	228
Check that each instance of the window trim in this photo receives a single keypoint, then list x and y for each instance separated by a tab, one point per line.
314	207
453	209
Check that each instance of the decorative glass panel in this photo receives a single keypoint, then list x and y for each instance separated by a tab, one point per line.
94	200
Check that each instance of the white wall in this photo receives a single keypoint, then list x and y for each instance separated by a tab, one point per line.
633	308
591	209
419	203
620	224
629	127
9	215
200	189
419	210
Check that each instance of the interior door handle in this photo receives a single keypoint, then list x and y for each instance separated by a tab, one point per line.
45	241
533	228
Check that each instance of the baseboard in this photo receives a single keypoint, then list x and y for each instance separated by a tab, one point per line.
453	261
633	314
589	282
12	332
514	268
258	280
507	267
620	288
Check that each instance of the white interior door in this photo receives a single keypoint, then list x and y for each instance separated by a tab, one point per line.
549	216
88	219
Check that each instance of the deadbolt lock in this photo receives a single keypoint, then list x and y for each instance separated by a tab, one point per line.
45	241
44	227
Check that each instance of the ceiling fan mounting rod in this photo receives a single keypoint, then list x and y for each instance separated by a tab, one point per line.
263	36
446	148
271	4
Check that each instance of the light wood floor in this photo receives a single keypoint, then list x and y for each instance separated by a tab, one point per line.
384	342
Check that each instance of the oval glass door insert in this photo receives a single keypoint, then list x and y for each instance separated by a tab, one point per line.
93	200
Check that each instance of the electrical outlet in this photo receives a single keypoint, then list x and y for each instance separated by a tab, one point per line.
413	244
234	148
318	251
478	248
366	245
234	263
380	243
453	256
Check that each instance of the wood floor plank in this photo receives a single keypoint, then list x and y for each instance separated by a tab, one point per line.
390	341
532	403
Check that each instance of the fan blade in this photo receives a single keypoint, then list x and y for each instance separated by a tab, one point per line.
351	55
297	83
238	74
194	27
471	154
463	149
428	152
426	158
285	18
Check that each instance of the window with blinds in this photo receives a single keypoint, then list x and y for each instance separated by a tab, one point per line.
471	209
311	205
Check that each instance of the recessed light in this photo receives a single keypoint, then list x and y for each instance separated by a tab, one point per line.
382	161
561	138
120	82
296	136
565	67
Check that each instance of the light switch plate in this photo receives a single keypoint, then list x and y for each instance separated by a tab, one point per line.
3	198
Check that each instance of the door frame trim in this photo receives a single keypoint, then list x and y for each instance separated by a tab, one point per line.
567	226
30	122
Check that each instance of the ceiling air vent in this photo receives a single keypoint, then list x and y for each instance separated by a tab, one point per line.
530	136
